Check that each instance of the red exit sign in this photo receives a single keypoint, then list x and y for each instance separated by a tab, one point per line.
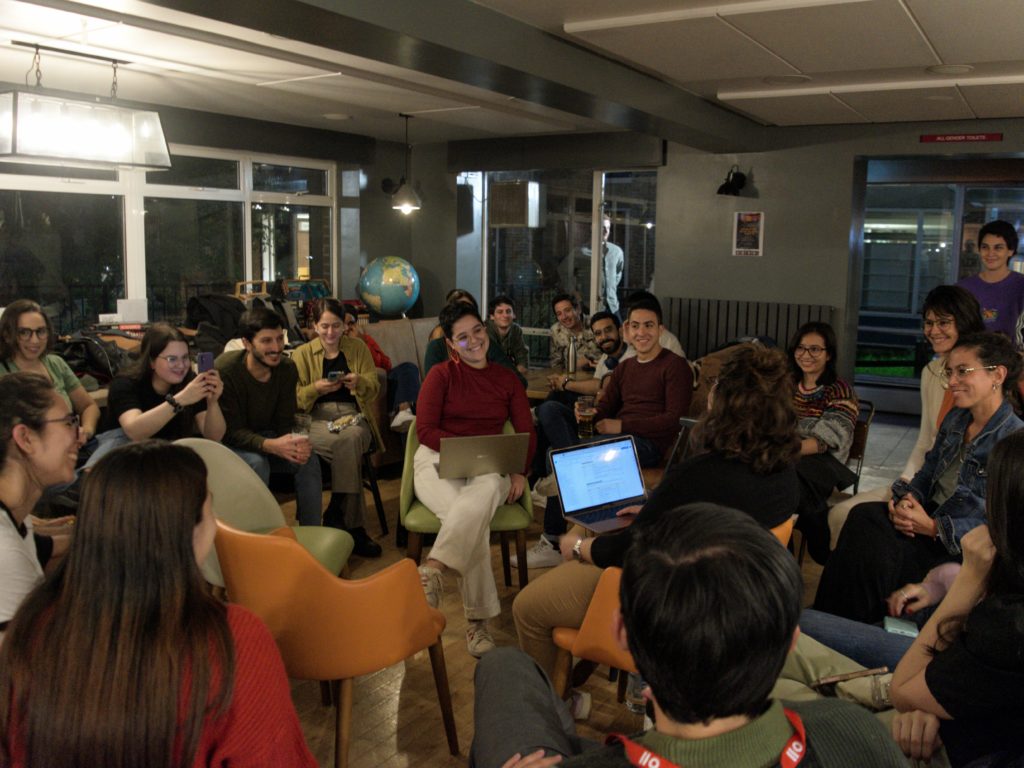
956	138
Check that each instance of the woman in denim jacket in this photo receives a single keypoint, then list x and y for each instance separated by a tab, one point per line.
883	546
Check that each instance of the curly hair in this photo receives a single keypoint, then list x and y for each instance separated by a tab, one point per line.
750	416
9	327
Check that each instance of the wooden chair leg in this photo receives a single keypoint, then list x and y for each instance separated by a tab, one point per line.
325	693
620	693
444	696
415	550
370	479
524	577
343	732
506	562
563	666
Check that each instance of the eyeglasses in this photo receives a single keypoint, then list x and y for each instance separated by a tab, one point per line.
814	351
26	333
174	359
71	420
941	324
962	370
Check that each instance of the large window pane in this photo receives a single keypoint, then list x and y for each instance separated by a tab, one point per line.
291	241
207	172
192	247
908	250
285	178
629	209
65	251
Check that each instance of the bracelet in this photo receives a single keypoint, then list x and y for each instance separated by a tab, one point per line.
577	549
565	384
178	407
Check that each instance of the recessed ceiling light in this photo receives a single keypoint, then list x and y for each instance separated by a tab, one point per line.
949	69
785	79
337	116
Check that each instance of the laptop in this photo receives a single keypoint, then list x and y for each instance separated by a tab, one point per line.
483	454
596	480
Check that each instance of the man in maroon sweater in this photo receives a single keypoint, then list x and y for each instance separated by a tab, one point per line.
644	397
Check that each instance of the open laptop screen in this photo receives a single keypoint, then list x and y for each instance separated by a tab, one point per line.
597	474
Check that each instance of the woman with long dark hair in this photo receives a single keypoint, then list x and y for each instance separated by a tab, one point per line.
827	410
121	658
962	675
746	445
885	545
161	396
39	439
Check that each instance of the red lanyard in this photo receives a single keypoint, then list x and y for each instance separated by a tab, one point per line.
642	757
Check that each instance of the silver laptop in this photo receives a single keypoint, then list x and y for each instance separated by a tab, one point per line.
596	480
482	454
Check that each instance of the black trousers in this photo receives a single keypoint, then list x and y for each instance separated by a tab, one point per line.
871	561
819	474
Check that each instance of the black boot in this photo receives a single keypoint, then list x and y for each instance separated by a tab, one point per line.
365	546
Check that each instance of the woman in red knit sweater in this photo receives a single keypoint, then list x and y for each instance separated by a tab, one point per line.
461	397
122	658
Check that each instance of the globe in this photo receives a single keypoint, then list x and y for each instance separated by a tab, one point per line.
389	286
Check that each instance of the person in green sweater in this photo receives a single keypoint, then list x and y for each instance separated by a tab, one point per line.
259	408
709	609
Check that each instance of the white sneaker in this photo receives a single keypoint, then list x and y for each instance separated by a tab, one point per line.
478	638
543	554
547	486
433	586
579	704
538	500
402	420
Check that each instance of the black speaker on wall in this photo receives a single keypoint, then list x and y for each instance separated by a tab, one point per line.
464	222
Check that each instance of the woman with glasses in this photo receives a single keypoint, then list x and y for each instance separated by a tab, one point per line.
161	396
26	339
337	386
949	312
886	545
827	410
38	448
122	658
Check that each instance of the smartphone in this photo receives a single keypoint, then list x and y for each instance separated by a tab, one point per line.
335	375
903	627
205	361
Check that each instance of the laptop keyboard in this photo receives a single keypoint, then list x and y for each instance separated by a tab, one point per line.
605	513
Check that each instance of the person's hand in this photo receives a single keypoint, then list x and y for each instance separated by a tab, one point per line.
289	447
518	483
631	512
609	426
917	733
566	542
979	552
533	760
194	391
910	518
555	381
910	598
214	385
325	387
351	381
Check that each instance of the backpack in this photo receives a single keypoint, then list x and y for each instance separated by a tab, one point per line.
218	310
88	355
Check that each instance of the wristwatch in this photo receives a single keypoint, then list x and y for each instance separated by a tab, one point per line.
565	384
577	549
178	407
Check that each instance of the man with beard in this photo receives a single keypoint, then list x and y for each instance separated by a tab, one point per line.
259	407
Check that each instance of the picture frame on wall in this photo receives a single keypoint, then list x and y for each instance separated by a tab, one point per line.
748	233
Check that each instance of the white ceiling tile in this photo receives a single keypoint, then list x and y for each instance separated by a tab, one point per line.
975	31
797	110
995	100
695	49
827	38
909	105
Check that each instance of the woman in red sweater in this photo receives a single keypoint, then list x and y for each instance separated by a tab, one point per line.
122	658
461	397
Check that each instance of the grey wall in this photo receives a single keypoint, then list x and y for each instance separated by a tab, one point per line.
806	191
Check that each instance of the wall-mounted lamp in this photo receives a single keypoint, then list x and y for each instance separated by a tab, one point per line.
52	129
734	182
403	196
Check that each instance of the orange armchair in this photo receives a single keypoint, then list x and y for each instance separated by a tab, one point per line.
594	640
310	614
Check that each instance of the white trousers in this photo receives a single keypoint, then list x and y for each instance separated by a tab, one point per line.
465	507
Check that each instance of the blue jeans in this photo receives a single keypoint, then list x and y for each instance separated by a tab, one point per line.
557	429
403	385
867	644
309	484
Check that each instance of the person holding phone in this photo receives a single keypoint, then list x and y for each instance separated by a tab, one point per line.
337	386
160	396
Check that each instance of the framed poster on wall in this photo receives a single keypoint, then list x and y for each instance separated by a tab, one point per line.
748	233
